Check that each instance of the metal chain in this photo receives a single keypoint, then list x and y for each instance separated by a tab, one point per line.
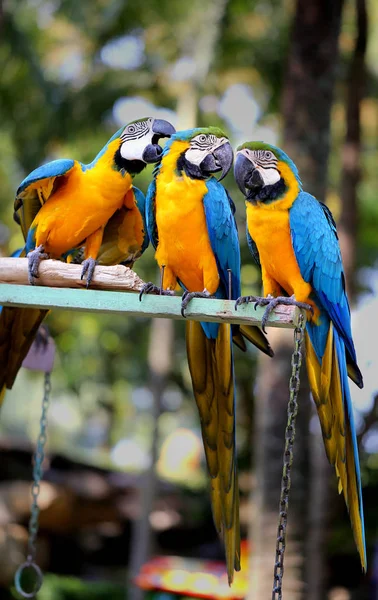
292	411
39	457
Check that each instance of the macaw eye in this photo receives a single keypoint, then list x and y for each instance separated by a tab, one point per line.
268	154
202	138
131	129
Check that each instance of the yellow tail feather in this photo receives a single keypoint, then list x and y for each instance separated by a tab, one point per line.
18	328
2	394
211	369
326	388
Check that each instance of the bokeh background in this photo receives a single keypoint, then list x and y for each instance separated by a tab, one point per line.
125	474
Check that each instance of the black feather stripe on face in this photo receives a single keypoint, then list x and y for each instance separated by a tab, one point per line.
189	168
135	131
264	158
267	193
133	167
204	142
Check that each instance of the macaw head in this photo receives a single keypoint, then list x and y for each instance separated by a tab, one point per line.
264	172
139	143
202	152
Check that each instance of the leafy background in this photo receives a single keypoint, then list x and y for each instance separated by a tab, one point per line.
71	74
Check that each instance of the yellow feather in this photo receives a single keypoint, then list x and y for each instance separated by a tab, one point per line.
18	327
83	202
210	364
186	250
325	383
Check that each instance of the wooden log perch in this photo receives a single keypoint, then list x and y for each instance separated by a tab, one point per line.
54	273
104	295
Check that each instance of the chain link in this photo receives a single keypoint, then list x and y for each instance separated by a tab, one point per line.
292	411
39	457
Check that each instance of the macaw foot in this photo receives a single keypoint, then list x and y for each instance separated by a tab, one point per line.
271	303
34	258
151	288
88	267
247	300
188	296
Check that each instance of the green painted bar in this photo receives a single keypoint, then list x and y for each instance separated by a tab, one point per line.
127	303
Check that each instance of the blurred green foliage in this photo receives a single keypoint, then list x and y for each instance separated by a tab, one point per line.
70	588
58	98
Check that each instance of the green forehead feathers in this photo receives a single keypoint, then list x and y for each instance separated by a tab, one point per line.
260	146
138	120
189	134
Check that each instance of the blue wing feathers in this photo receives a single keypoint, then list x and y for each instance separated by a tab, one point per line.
223	236
150	213
252	247
141	204
54	168
340	350
317	251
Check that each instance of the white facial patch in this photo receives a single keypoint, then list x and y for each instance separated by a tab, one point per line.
133	149
265	162
136	136
270	176
202	145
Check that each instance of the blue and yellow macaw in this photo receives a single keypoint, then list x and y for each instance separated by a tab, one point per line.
190	221
64	205
293	238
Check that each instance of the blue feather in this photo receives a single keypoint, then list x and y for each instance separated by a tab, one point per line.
349	419
317	251
221	226
141	205
150	212
54	168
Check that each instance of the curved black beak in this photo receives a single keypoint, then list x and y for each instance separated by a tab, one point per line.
219	160
162	128
152	153
246	175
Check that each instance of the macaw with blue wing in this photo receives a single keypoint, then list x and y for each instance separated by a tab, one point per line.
190	221
65	205
293	238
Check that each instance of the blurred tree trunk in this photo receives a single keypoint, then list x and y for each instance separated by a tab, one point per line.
350	174
307	102
160	365
272	397
308	89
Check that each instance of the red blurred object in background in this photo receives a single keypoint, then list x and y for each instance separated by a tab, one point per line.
194	578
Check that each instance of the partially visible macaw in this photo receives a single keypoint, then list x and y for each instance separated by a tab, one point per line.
293	238
190	222
64	205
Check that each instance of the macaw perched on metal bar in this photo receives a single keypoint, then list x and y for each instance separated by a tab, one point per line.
64	205
190	222
293	238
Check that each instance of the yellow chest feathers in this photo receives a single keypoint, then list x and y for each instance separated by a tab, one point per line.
269	227
184	245
179	200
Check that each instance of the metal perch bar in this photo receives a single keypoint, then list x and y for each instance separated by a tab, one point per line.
58	280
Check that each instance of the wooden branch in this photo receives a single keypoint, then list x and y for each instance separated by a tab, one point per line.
55	274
